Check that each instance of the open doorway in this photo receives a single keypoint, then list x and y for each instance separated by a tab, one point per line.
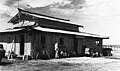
21	44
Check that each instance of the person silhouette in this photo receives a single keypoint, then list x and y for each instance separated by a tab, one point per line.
56	50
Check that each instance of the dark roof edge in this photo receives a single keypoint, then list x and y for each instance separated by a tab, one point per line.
42	15
105	37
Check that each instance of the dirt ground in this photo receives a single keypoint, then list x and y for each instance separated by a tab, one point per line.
109	63
66	64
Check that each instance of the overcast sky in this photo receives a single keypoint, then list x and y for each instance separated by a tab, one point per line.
97	16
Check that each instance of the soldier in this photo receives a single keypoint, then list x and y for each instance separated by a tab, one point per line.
56	50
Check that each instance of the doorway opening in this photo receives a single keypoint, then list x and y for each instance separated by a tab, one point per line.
21	44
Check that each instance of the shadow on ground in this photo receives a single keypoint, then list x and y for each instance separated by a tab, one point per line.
5	63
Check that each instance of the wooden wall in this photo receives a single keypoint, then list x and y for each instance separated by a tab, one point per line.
91	43
88	42
50	40
34	46
33	43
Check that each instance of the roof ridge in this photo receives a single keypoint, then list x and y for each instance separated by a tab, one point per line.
43	15
49	17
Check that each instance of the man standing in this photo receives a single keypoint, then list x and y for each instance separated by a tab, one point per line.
56	50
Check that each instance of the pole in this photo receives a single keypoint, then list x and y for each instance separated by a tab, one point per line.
47	53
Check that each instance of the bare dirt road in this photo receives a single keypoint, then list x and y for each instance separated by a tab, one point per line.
66	64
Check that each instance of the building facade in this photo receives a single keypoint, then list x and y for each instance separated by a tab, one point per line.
36	34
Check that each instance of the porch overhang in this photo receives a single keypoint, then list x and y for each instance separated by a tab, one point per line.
78	34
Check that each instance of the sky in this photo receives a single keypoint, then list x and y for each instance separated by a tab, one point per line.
97	16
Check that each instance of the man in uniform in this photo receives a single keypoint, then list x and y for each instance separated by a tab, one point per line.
56	50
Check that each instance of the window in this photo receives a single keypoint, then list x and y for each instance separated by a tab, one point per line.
61	41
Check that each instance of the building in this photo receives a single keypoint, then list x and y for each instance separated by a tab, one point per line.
36	34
